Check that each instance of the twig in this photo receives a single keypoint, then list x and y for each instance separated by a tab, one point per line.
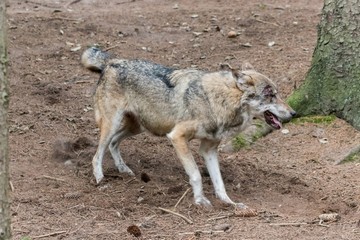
49	234
160	189
176	214
288	224
223	54
66	19
133	179
220	217
40	4
125	2
202	231
71	2
182	197
109	48
323	225
53	178
262	21
81	82
11	186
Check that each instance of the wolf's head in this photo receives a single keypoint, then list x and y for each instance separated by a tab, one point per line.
261	98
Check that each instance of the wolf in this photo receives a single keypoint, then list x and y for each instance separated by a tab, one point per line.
133	96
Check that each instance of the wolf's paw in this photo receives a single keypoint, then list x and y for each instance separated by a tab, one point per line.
203	201
98	177
125	169
240	206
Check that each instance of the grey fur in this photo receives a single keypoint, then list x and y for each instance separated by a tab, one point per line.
137	95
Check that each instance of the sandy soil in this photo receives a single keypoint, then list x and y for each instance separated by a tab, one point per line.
289	178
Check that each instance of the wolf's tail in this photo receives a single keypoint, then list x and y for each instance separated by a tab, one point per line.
95	59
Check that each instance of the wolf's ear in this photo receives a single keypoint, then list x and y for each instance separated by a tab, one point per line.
244	82
247	66
227	67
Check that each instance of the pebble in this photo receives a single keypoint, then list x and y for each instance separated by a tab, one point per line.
232	34
272	43
285	131
329	217
68	163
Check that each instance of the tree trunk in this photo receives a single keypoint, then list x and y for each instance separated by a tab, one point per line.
332	85
4	161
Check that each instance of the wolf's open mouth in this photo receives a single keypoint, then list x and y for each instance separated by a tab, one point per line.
272	120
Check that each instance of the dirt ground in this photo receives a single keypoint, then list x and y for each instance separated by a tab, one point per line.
289	178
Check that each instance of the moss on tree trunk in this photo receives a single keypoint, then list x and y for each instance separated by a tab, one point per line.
5	233
332	85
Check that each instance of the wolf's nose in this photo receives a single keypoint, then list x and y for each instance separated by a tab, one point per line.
293	113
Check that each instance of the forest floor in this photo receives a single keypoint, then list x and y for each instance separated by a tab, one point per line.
289	178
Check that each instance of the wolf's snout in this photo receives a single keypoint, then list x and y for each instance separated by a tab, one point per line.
292	113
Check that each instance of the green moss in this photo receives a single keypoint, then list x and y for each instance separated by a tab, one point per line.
262	6
352	158
251	135
240	141
257	135
314	119
295	100
25	238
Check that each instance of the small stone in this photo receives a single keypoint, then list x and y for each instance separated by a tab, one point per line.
68	163
329	217
232	34
285	131
76	48
246	45
222	227
104	187
272	43
196	34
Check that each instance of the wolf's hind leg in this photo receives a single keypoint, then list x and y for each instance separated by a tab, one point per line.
115	152
106	133
129	127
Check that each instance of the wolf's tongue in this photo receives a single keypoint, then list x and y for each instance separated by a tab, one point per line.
276	122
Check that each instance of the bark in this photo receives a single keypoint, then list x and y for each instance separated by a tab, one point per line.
332	85
4	161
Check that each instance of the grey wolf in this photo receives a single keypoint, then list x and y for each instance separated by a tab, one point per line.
133	96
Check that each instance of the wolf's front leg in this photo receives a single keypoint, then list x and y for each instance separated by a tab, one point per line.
208	150
179	139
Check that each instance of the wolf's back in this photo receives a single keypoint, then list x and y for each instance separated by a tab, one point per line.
94	59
